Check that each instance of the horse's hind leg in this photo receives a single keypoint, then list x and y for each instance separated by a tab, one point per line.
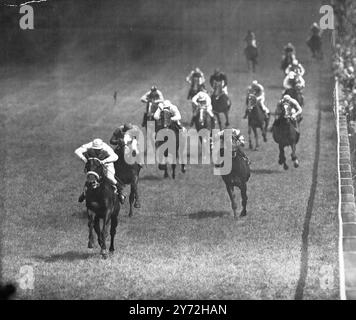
104	235
244	197
114	222
294	156
230	191
174	171
256	138
166	175
282	157
91	227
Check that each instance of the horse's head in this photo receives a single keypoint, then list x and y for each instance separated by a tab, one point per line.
251	102
217	87
95	172
286	111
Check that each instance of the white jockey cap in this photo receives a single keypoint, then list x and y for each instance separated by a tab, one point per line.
97	144
351	69
255	82
287	97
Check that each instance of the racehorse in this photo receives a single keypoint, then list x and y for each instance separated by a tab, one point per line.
221	103
256	119
286	61
314	44
251	54
295	92
165	122
151	108
195	88
238	177
102	203
285	134
128	174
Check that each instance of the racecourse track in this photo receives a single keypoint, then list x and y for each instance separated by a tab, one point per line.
56	93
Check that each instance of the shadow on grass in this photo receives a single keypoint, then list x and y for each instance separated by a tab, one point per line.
208	214
265	171
151	177
275	87
69	256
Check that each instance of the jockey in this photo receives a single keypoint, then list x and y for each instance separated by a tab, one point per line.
315	30
237	142
166	104
292	76
250	39
154	95
127	131
99	149
258	90
294	108
197	74
219	76
202	99
289	49
297	67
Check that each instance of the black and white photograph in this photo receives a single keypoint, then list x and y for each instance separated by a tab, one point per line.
178	150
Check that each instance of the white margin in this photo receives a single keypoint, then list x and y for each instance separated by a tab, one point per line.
341	236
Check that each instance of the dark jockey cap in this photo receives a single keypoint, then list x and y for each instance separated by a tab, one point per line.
127	127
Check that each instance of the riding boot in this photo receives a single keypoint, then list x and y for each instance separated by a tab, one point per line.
119	192
192	121
82	195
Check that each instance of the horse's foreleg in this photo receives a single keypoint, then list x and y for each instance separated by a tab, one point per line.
249	137
174	170
137	203
227	123
114	222
282	157
243	189
97	229
131	199
264	129
91	227
230	191
104	234
219	121
294	156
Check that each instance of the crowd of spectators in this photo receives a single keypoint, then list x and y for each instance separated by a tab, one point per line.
344	60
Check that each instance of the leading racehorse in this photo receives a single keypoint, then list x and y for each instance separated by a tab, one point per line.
221	103
128	174
251	54
285	133
165	122
102	203
256	119
195	88
286	61
238	177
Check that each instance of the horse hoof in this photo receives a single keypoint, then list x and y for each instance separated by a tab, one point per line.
285	167
104	254
137	205
183	170
227	124
243	213
296	164
166	176
90	245
111	250
280	162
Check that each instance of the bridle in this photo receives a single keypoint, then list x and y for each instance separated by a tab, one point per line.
91	172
